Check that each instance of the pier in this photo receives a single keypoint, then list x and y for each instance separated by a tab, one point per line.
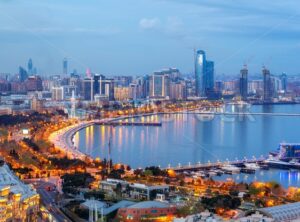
242	113
208	166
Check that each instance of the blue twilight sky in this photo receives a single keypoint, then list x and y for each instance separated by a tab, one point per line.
140	36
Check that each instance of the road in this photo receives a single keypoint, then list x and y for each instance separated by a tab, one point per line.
49	194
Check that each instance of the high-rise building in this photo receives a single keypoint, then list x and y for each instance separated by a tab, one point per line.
30	67
65	66
99	84
121	93
244	83
204	75
208	78
268	91
219	86
146	86
58	93
200	67
142	86
159	86
36	104
256	87
34	83
109	91
123	80
23	75
178	90
283	79
87	88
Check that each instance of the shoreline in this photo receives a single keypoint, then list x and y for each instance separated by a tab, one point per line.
63	139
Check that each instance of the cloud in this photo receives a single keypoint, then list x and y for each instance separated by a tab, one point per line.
149	23
171	26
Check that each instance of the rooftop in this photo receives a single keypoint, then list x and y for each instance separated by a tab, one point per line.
9	179
286	212
149	204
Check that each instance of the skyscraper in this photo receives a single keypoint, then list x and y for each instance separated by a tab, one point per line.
87	88
65	66
204	75
208	78
23	75
200	67
30	66
244	83
283	79
268	91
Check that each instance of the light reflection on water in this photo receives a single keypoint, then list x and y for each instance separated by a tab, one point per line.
183	138
285	177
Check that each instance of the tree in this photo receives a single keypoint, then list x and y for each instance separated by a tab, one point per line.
148	173
118	190
98	195
152	194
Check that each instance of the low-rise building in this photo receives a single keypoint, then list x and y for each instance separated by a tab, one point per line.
147	211
136	190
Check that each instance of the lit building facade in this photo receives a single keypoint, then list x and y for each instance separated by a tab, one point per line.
121	93
18	201
178	91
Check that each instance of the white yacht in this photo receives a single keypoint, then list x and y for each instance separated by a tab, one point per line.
230	168
276	163
252	166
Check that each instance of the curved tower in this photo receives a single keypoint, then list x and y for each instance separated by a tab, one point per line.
200	67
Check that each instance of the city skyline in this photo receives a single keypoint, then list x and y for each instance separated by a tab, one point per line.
231	34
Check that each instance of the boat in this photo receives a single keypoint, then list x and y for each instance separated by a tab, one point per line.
230	169
264	166
212	173
277	163
217	172
252	166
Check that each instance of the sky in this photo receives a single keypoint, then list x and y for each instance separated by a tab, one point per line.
137	37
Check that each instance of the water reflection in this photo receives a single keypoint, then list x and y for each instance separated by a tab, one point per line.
186	139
